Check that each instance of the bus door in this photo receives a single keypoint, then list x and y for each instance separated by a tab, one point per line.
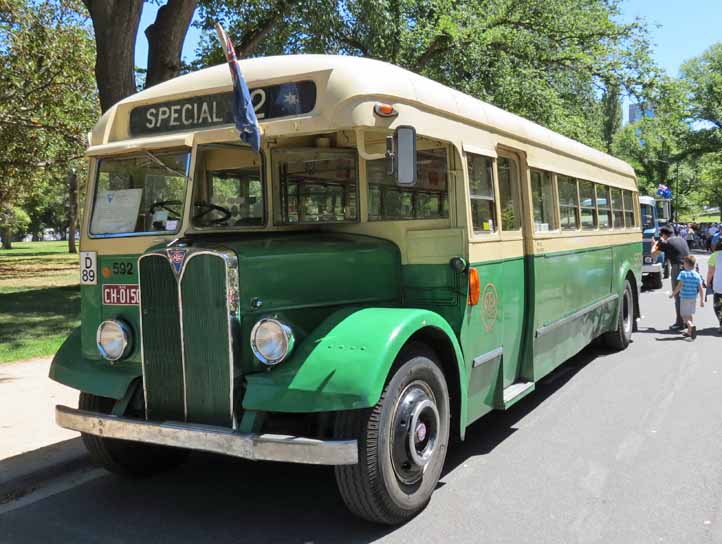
511	167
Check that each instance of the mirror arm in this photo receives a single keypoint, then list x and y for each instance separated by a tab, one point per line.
361	146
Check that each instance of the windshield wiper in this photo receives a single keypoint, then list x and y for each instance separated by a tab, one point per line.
164	165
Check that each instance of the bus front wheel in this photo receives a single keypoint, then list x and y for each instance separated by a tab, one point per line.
133	459
655	280
402	442
620	337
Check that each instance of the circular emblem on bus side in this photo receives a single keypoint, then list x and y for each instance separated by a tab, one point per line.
489	306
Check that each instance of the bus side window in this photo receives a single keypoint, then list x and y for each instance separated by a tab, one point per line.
604	207
588	203
617	211
481	193
428	199
568	203
542	194
629	215
509	194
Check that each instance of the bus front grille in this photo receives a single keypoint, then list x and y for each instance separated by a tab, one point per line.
187	320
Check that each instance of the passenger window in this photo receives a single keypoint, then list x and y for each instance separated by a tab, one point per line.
314	185
509	194
629	216
428	199
617	211
481	192
604	207
568	203
588	202
542	194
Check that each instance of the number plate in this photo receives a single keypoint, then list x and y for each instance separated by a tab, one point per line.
88	268
115	294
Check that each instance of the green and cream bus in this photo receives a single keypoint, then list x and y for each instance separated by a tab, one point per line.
398	260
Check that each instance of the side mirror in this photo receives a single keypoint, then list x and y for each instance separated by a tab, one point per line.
401	154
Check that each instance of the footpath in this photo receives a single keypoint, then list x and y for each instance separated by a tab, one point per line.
33	448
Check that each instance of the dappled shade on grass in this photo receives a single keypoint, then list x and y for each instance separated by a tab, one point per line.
39	299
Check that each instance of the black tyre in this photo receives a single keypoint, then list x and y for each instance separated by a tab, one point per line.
620	337
402	442
655	280
134	459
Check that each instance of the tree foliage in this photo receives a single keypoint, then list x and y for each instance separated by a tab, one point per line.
47	96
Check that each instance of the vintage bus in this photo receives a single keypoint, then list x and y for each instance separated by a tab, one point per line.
398	260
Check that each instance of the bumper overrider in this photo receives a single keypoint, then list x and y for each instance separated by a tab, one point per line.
258	447
651	268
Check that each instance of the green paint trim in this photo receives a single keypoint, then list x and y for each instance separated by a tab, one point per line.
585	250
498	261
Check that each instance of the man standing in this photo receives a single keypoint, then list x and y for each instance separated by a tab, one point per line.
675	249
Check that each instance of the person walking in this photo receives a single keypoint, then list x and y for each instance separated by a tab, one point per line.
689	285
714	280
675	250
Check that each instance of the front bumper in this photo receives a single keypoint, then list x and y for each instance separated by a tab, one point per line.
258	447
651	268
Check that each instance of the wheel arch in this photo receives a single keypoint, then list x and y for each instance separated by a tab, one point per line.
436	340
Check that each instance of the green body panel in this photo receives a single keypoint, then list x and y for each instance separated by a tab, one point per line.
70	367
497	321
566	283
93	310
344	363
161	340
206	343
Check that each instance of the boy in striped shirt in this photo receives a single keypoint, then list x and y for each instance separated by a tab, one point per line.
689	285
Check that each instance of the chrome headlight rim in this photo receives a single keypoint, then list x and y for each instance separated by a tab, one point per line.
284	329
127	339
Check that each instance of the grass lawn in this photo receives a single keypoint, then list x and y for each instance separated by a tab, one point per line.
39	299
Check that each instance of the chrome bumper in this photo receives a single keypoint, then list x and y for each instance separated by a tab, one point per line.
651	268
258	447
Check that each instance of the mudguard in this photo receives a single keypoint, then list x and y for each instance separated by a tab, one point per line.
98	377
344	363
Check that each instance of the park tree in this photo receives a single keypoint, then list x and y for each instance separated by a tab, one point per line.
47	98
703	77
656	144
116	29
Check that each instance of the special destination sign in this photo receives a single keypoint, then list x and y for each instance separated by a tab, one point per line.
284	100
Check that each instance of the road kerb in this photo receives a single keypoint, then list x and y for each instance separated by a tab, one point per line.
22	474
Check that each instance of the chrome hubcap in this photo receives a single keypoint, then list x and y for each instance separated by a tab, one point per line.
627	313
415	431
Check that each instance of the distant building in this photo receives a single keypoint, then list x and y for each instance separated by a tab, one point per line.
636	112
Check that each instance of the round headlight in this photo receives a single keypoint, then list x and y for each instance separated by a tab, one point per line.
114	340
271	341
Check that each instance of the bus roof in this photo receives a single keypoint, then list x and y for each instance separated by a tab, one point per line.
342	83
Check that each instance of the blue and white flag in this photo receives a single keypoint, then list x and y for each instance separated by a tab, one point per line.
664	191
244	115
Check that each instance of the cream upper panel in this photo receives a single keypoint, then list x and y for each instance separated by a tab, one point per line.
347	87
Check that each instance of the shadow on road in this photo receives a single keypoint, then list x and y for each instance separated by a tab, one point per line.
219	499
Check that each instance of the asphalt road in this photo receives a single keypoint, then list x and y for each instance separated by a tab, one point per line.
613	447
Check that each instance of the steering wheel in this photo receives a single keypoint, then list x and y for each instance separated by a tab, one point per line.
163	205
210	208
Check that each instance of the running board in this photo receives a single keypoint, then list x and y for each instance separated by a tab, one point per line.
517	391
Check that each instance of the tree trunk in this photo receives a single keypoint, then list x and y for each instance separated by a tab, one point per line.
165	40
7	242
115	23
72	209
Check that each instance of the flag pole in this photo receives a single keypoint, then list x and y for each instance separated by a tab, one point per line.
223	38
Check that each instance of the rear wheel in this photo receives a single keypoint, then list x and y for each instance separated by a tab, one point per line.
402	443
620	337
124	457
